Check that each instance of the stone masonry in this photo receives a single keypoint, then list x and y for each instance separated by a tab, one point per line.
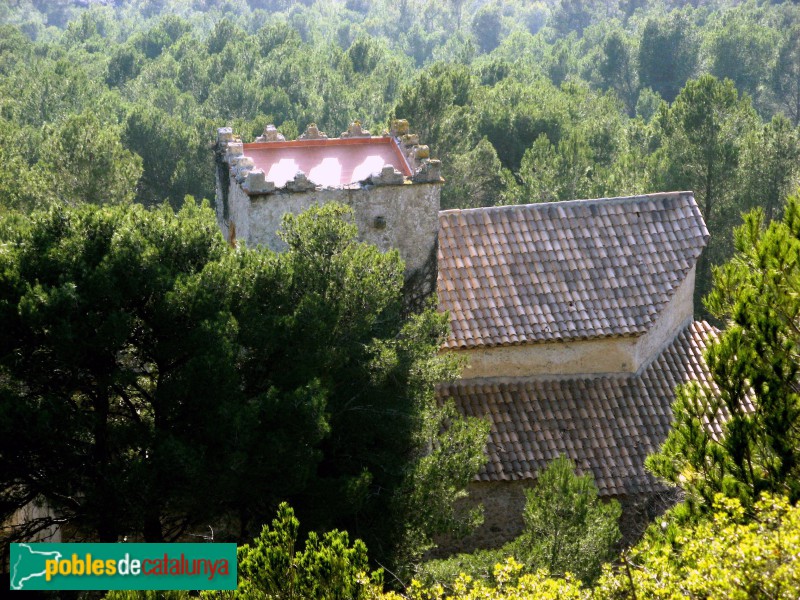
395	206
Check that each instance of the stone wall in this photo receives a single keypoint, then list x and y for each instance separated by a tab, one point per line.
504	501
586	357
391	211
405	217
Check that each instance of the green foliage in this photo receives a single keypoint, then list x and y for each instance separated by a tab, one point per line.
172	362
21	188
326	568
785	79
752	402
364	54
174	163
125	64
551	173
769	167
511	585
668	54
475	178
110	338
725	556
88	162
561	61
487	27
147	595
616	70
702	133
568	529
335	319
741	50
571	15
450	454
428	102
648	104
42	91
479	565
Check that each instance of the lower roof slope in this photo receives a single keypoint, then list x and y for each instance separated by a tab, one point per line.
564	270
608	425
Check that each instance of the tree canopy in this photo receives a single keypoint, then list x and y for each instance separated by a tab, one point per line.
523	102
167	363
738	435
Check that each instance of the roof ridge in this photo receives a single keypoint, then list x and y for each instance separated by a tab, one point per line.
583	202
543	377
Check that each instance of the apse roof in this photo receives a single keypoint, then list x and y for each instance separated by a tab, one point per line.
608	425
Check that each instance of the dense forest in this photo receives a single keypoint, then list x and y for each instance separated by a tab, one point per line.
522	101
113	102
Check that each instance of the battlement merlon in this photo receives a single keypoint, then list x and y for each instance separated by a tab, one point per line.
273	164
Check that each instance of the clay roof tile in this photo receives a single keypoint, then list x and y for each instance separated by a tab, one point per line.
626	257
607	424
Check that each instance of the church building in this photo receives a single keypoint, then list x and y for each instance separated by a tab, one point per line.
575	318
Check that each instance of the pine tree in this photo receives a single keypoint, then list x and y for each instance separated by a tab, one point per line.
740	434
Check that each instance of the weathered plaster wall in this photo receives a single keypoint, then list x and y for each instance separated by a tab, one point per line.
585	357
30	512
234	216
678	313
601	355
220	201
403	216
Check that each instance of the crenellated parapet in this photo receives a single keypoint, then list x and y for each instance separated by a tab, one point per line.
313	133
387	176
357	158
271	134
390	181
425	169
355	130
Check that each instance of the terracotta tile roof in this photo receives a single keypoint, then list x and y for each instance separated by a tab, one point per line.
607	425
564	270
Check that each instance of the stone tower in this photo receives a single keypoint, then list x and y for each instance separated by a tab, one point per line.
389	181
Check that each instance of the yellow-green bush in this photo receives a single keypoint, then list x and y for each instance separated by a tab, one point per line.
729	556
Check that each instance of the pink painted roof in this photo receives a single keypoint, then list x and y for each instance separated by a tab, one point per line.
327	162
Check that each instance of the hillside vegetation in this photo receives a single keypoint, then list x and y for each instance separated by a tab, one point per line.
108	112
522	101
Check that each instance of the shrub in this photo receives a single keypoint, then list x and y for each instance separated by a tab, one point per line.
568	529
